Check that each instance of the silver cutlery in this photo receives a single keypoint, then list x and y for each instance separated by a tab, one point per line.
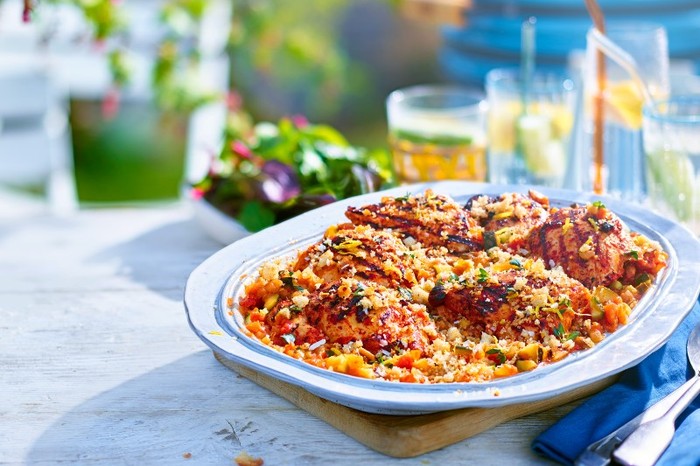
648	442
600	452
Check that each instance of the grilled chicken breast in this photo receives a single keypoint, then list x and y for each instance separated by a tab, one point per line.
362	251
589	242
430	219
513	300
380	317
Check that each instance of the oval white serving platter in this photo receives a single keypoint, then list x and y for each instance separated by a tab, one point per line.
653	321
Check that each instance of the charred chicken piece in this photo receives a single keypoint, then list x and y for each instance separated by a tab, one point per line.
514	300
380	317
430	219
589	242
347	250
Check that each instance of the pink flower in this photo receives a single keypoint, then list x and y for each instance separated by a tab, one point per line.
240	149
27	11
299	121
110	104
196	193
234	101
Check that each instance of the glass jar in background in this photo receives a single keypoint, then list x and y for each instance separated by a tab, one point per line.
671	131
437	132
622	172
529	129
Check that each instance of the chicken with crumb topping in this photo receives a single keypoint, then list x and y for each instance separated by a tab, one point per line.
508	219
382	318
346	250
430	219
589	242
509	301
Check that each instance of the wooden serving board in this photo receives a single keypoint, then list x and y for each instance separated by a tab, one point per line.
407	436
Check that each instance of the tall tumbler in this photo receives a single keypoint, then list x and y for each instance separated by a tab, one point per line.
620	100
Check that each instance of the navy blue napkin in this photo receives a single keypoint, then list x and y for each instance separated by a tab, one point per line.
637	388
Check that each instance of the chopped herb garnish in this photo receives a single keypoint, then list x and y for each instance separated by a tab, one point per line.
406	293
403	198
573	335
360	290
483	275
288	281
599	204
500	357
565	302
294	309
641	278
454	277
633	254
559	331
289	338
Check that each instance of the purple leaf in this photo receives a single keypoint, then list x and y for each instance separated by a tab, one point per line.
279	182
367	179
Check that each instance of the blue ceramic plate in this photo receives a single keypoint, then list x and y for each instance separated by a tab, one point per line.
221	277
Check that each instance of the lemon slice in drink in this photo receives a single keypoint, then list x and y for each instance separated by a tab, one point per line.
624	103
543	155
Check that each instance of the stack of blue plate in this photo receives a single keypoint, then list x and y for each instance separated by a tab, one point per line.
491	38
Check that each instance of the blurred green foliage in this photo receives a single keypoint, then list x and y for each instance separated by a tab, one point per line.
118	161
286	57
295	47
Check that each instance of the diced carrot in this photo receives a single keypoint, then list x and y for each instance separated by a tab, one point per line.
611	316
405	361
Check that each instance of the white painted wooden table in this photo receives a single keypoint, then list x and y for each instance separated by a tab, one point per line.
98	364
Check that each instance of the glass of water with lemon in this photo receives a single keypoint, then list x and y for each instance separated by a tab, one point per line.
437	132
529	135
671	130
622	101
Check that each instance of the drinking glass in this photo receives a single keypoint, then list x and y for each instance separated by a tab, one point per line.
620	101
529	128
437	132
671	132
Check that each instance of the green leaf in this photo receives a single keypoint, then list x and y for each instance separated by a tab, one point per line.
406	293
499	354
325	133
311	165
559	331
254	216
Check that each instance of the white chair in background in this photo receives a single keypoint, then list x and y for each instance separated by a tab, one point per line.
35	144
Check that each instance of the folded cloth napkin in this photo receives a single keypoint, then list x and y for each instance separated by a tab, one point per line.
637	389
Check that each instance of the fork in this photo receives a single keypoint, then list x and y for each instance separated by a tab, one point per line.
600	453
